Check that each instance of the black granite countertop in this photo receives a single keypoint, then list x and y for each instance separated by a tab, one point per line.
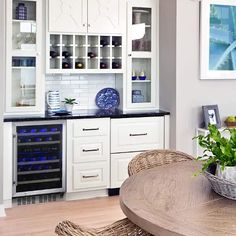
88	114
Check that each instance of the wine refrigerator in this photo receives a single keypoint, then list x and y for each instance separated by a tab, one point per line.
38	159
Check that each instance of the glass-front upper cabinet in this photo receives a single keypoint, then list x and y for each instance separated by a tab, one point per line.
23	80
142	63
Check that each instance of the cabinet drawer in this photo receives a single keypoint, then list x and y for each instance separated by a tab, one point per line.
119	168
94	175
136	134
91	149
91	127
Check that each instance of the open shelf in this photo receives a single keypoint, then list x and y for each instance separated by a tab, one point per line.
84	53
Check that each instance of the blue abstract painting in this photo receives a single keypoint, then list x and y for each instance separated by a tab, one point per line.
222	50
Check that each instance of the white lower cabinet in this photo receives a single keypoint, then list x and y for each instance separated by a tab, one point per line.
129	137
88	154
119	167
99	150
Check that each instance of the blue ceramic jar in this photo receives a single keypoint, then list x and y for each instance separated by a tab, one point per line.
21	12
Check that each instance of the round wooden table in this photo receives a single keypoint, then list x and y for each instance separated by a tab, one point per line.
168	200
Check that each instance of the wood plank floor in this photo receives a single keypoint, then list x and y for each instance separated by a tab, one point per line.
41	219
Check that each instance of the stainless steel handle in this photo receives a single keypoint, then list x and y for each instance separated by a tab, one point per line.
92	129
89	176
14	177
91	150
133	135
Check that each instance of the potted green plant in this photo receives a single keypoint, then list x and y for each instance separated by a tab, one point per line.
219	150
69	103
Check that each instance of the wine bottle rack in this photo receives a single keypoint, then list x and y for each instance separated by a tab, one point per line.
84	53
38	160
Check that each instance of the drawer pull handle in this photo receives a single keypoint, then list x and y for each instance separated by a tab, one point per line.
92	129
133	135
89	176
91	150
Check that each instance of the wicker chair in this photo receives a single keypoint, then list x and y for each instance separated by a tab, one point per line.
125	227
122	227
154	158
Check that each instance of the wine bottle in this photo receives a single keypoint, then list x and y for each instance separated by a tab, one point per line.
53	54
115	65
66	65
116	43
66	54
91	54
79	65
103	42
103	65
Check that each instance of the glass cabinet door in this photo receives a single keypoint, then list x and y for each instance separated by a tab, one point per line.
24	27
23	82
141	54
141	29
23	56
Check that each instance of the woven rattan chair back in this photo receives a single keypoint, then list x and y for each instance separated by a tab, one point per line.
154	158
122	227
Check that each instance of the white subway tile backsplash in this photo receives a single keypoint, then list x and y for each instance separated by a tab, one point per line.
82	87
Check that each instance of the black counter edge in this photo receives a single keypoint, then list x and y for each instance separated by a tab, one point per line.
69	117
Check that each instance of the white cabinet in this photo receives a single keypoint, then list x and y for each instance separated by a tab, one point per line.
92	16
119	167
24	83
106	16
67	15
142	55
88	154
129	137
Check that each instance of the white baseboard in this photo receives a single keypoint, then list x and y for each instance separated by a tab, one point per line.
2	211
7	203
86	195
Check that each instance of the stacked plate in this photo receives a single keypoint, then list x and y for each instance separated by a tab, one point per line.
53	101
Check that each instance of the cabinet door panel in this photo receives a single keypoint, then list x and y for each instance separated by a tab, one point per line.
67	16
119	168
106	16
86	176
135	134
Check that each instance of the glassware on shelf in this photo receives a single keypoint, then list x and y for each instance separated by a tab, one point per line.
134	76
142	75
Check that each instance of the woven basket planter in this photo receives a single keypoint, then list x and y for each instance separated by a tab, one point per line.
221	186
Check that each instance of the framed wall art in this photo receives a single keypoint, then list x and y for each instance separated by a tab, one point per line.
218	39
211	116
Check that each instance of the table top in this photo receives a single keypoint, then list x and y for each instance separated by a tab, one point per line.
169	201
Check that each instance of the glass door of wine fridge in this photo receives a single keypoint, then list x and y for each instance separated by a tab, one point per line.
38	162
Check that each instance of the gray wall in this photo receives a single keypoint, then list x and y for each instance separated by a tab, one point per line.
167	45
190	92
2	86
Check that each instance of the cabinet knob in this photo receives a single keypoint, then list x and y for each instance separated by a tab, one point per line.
89	25
84	25
129	55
